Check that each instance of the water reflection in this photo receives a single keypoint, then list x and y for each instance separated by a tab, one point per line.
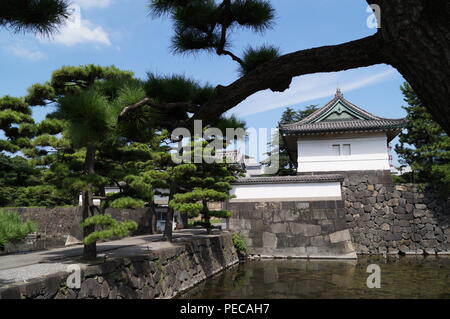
404	277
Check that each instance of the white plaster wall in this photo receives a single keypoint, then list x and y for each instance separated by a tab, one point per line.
287	192
368	152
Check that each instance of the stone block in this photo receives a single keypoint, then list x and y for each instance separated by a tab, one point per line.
421	206
90	288
319	214
393	202
401	188
318	241
269	240
396	194
340	236
279	228
302	205
308	230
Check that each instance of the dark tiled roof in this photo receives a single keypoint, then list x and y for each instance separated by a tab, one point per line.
290	179
369	122
340	126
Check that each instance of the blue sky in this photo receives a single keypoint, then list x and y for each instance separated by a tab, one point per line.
121	32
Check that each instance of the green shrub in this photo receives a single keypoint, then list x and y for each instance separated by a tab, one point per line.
239	243
12	228
110	228
193	223
127	202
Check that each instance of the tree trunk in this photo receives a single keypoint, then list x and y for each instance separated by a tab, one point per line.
153	219
207	217
169	216
89	251
414	38
417	43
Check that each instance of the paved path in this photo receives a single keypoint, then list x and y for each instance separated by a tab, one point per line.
21	267
30	258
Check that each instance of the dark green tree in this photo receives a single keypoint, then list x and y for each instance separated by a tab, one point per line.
424	145
172	97
39	16
279	151
89	100
22	179
15	114
209	182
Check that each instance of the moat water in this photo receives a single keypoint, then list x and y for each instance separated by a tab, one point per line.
401	277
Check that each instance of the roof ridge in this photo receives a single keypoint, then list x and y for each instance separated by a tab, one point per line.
307	120
314	114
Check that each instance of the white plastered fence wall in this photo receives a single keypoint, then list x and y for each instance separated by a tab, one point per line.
287	192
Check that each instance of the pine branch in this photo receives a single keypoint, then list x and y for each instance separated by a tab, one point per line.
278	73
188	107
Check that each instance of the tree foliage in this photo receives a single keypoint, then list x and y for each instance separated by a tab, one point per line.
207	25
208	183
15	113
239	243
424	145
109	228
12	228
280	152
38	16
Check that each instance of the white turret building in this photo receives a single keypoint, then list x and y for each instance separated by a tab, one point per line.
341	137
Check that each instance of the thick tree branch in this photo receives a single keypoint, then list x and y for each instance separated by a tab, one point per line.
278	73
185	106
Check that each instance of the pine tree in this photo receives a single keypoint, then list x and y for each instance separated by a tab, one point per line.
210	182
424	145
206	25
89	100
15	118
39	16
279	151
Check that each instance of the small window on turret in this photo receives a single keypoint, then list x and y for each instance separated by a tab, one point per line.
347	149
337	150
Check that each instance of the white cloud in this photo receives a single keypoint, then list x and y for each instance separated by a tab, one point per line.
87	4
20	51
78	30
306	88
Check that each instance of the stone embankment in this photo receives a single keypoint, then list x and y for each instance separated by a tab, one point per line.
142	272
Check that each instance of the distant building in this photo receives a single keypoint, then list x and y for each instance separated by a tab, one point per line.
252	167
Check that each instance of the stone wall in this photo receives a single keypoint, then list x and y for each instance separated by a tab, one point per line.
55	224
162	273
315	229
387	218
